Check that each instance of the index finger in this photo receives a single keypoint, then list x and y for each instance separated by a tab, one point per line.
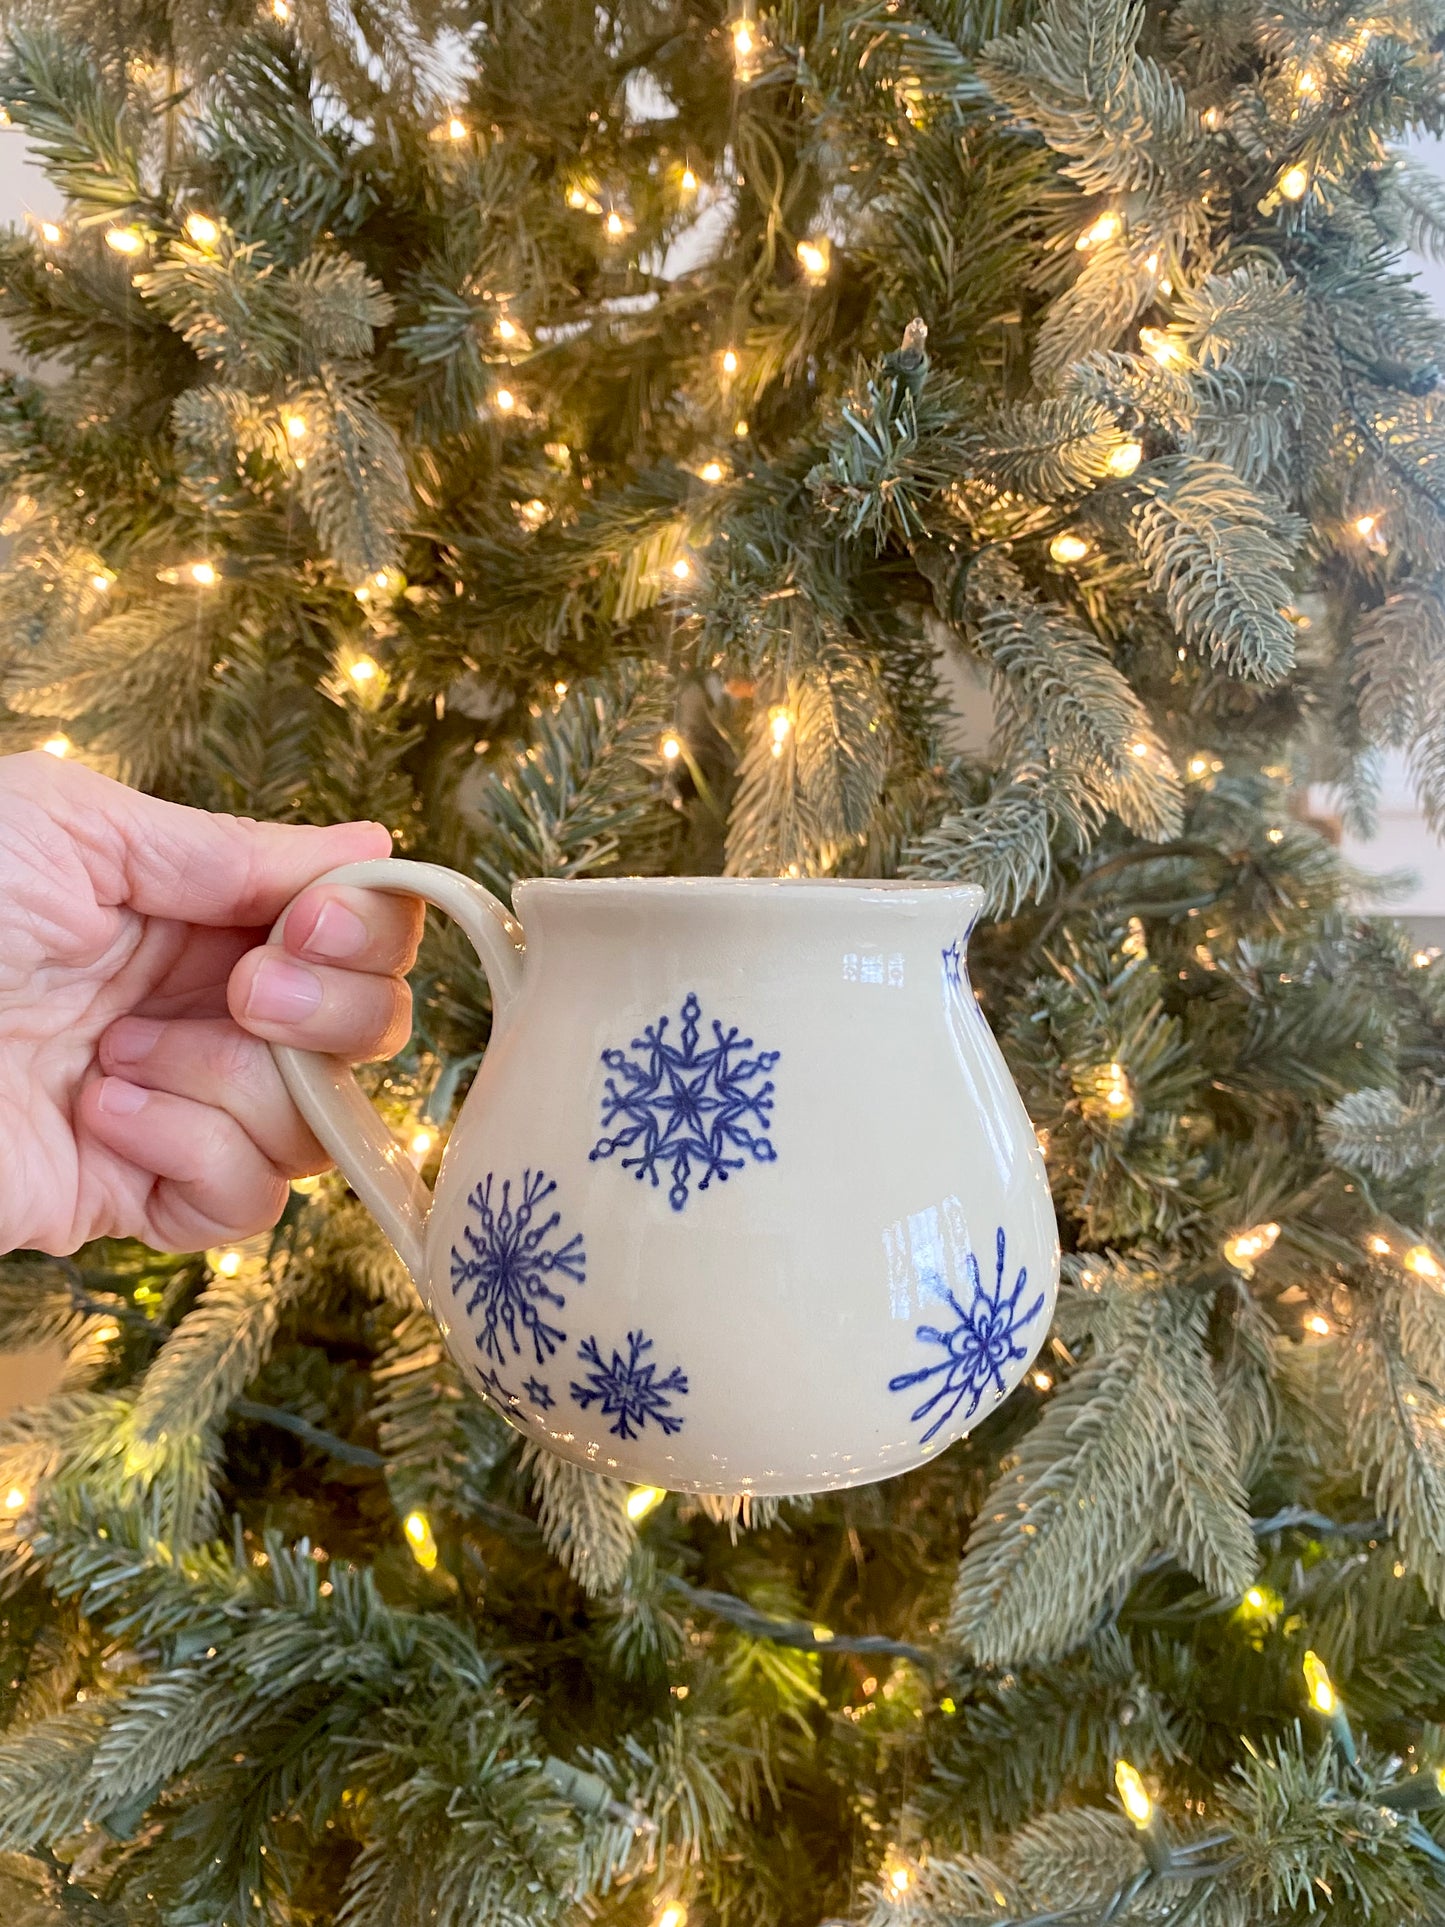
370	930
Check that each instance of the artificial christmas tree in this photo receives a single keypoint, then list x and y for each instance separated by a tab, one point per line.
548	463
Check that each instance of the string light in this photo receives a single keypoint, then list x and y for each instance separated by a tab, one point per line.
1212	119
1381	1247
559	689
1422	1261
296	428
1136	941
14	1499
712	473
1106	1091
740	429
52	234
105	1334
457	130
1365	526
505	400
1160	346
1318	1324
229	1263
900	1880
532	514
1041	1381
780	725
1422	959
1307	83
1068	547
1098	232
1322	1692
203	230
672	1914
57	745
744	44
729	361
364	669
1132	1794
643	1499
615	225
815	257
688	183
1245	1246
205	575
576	197
1274	836
1294	183
102	580
422	1141
671	749
1125	458
506	329
681	569
124	240
281	10
417	1528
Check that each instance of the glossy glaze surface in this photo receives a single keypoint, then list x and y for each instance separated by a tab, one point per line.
744	1198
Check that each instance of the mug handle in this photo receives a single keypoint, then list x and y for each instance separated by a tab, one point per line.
326	1092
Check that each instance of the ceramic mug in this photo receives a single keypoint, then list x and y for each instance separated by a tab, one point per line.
743	1198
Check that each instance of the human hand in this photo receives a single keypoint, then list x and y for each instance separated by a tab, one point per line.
132	1101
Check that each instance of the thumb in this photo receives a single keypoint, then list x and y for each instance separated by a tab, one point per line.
165	860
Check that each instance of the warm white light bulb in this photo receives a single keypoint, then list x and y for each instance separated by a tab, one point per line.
124	240
1294	183
229	1263
456	129
506	401
51	233
296	428
729	361
643	1499
365	669
689	181
57	745
1068	547
682	568
815	257
616	226
14	1499
1136	1801
203	230
506	329
744	44
205	575
422	1141
712	472
1125	458
671	749
1100	231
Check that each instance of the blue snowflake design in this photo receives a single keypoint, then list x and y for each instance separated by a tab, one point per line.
492	1387
629	1391
539	1394
976	1349
953	965
685	1107
511	1261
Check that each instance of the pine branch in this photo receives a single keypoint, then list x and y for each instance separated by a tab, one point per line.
1212	549
584	1519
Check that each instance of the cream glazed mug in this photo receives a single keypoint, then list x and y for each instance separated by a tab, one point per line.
743	1198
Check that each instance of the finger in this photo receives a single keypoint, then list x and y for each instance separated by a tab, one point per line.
214	1062
348	1013
165	860
214	1183
361	929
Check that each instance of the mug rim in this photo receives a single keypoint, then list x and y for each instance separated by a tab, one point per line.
772	886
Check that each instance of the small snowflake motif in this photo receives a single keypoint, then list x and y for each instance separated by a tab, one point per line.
976	1349
687	1107
953	965
492	1387
510	1257
539	1394
630	1392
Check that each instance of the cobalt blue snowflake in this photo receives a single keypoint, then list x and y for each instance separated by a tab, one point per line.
539	1394
511	1262
976	1349
687	1107
629	1392
492	1387
953	965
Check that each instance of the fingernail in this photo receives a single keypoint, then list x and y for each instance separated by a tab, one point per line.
338	932
282	992
120	1099
131	1039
